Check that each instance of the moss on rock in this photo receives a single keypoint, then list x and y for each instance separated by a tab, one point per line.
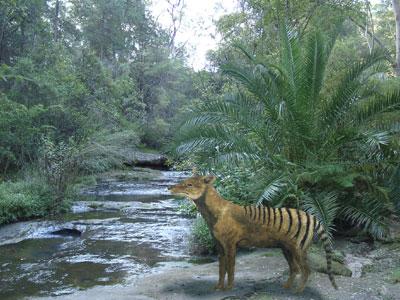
317	262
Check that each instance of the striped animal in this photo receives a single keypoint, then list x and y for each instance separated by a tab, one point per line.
233	226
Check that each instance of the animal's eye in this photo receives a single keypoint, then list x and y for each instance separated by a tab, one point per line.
189	184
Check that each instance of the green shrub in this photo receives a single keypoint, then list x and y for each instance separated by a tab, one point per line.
107	150
188	208
201	240
155	133
24	199
58	164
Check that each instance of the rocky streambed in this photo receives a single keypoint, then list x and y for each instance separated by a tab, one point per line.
126	239
117	230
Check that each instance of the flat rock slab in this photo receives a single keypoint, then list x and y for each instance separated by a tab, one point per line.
143	159
258	277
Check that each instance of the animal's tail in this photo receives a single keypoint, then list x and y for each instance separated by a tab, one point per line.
328	249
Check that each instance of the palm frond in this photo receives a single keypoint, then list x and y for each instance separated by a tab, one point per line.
374	141
215	140
368	215
312	71
244	51
290	53
236	110
233	159
245	75
366	110
324	208
272	190
346	91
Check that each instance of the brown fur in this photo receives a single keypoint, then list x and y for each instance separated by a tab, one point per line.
233	226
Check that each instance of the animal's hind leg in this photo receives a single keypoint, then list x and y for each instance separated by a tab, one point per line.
305	271
293	268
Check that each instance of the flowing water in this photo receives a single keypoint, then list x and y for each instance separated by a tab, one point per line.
118	230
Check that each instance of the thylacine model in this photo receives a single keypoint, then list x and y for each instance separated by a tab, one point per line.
261	226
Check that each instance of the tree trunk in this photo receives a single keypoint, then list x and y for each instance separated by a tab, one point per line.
56	24
396	10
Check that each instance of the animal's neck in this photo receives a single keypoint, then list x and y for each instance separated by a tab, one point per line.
210	205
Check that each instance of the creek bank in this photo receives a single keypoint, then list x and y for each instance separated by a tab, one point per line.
259	276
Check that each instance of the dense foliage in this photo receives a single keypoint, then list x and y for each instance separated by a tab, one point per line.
299	105
304	126
82	83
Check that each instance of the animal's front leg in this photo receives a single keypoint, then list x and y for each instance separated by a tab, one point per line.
230	257
222	271
222	266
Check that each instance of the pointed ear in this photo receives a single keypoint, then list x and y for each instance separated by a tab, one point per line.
209	179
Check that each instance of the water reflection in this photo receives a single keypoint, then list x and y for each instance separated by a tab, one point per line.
121	237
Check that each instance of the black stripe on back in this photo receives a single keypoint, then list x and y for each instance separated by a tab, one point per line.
298	224
269	215
245	210
317	225
251	211
255	213
280	219
313	232
273	209
263	214
290	219
307	230
259	213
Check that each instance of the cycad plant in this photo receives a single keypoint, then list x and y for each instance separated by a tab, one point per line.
310	134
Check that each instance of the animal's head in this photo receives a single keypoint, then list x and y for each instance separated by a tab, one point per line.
193	187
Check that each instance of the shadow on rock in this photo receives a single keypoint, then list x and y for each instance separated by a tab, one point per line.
204	288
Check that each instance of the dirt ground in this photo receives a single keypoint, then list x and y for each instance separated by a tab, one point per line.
259	276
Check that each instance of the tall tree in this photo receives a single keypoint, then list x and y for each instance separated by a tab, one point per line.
56	20
396	10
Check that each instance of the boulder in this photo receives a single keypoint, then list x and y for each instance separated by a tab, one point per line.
146	160
67	232
317	262
358	265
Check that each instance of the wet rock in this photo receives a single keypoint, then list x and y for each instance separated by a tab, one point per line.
67	232
357	265
17	232
317	262
146	160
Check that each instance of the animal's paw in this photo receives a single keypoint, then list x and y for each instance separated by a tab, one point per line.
219	287
228	287
299	290
287	285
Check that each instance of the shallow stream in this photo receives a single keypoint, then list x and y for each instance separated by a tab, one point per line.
117	230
